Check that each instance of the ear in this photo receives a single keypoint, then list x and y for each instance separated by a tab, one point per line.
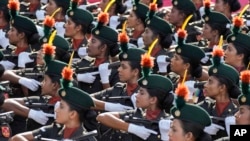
103	47
222	88
78	27
189	136
153	100
187	66
56	85
73	114
240	56
135	72
21	35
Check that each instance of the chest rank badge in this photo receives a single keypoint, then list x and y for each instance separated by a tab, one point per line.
5	131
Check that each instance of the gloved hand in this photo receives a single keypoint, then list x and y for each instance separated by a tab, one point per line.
140	131
164	125
4	42
104	72
229	121
82	52
39	116
23	58
87	77
190	85
40	15
60	28
7	64
31	84
213	129
116	107
162	63
57	105
133	99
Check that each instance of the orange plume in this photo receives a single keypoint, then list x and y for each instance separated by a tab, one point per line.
14	5
207	3
182	33
218	52
237	21
147	61
182	91
48	49
103	17
67	73
153	7
49	21
123	38
245	76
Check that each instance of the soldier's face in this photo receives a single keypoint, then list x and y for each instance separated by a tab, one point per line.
51	7
103	4
48	87
148	37
14	36
242	117
95	47
71	29
177	65
132	20
63	113
231	57
213	87
175	17
219	6
143	99
176	132
208	33
126	73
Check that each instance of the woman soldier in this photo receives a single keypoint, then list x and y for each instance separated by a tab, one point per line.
136	21
237	52
227	7
69	115
220	90
160	30
78	28
129	72
4	23
153	102
185	125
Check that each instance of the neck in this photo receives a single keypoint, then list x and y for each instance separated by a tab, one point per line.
213	41
22	44
239	66
133	80
139	28
223	97
78	36
153	108
73	124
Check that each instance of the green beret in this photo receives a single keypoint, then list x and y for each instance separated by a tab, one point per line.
77	16
244	98
132	54
225	71
3	3
140	10
61	43
24	24
194	53
105	33
184	5
55	67
155	81
216	17
191	113
239	40
76	97
159	25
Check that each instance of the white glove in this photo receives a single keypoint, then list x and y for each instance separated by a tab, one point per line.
31	84
116	107
57	105
7	64
164	125
213	129
60	30
87	77
190	85
140	131
23	58
133	99
39	116
82	52
162	63
40	15
44	1
4	42
113	22
229	121
104	72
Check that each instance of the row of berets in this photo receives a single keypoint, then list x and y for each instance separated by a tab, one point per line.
123	69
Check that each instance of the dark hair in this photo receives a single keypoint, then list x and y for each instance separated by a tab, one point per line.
187	12
5	13
112	48
221	28
120	7
54	78
196	130
234	5
81	111
62	55
165	40
135	65
232	89
195	67
63	4
241	50
141	18
32	38
165	100
86	28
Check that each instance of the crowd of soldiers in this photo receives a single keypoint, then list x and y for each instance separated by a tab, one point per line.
123	70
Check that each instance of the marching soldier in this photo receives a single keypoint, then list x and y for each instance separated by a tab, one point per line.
227	7
4	23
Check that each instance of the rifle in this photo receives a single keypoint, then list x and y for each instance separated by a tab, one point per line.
11	57
200	85
125	100
150	124
42	106
6	117
79	138
30	73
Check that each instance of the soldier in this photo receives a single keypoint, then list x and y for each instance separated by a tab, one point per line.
220	90
152	101
227	7
4	23
185	125
69	119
